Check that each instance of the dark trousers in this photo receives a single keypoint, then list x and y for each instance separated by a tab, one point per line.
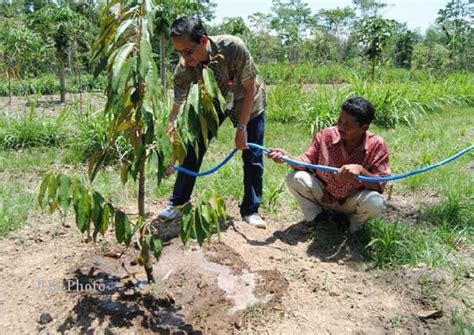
253	170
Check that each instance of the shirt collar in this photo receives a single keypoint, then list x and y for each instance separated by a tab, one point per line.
337	139
212	48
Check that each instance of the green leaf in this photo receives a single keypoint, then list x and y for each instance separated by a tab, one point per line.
122	27
156	246
124	172
221	209
120	84
107	213
200	232
146	59
205	135
96	213
52	192
119	61
95	163
64	193
193	97
186	223
42	191
82	205
123	231
210	85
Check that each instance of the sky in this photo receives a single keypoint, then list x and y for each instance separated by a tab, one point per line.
418	14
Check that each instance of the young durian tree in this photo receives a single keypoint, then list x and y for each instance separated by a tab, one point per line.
137	109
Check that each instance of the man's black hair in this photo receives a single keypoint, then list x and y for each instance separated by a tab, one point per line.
359	108
188	26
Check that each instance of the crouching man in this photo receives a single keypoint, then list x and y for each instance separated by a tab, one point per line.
353	149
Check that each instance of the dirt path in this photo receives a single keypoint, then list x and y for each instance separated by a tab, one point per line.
276	281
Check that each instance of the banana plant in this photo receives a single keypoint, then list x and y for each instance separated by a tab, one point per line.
137	108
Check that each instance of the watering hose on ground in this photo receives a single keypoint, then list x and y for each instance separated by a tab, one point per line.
325	168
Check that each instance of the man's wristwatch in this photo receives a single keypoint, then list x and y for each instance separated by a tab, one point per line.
242	127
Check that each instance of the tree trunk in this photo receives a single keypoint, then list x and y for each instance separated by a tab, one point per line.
163	61
9	88
62	79
146	256
373	69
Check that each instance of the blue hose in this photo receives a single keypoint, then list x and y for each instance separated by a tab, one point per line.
325	168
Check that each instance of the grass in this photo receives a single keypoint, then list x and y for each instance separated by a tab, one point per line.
49	84
15	205
29	131
461	326
274	74
397	103
442	228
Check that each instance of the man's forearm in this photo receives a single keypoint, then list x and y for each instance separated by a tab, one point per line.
249	89
174	112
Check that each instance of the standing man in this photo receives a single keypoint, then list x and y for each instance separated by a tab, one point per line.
356	151
236	75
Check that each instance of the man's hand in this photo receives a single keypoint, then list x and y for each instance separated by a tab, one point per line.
349	172
241	140
276	154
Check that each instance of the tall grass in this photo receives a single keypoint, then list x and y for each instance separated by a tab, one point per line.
15	205
396	103
304	74
31	129
49	84
278	73
287	103
442	228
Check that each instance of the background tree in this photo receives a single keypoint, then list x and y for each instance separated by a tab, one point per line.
19	47
369	7
403	49
290	20
333	31
231	25
60	26
374	33
456	22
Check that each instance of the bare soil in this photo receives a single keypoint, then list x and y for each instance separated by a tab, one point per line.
287	279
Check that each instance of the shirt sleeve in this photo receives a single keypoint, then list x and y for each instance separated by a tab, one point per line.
311	154
244	65
182	81
379	163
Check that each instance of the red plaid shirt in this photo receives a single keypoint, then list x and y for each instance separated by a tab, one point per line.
327	148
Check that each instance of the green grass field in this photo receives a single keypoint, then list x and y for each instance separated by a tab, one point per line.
31	146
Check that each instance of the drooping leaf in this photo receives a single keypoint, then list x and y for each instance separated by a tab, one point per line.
205	135
156	246
200	232
64	193
43	188
186	223
124	25
95	163
96	213
120	84
124	172
119	61
107	214
52	193
123	231
82	205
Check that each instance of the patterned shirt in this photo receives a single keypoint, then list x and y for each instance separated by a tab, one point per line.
327	148
236	67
